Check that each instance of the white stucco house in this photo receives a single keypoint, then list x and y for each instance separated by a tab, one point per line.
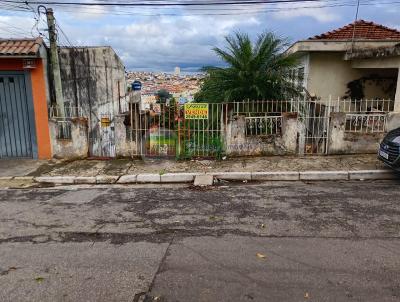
358	61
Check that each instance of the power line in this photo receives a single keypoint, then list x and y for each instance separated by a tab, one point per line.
237	10
245	5
13	7
162	4
63	34
354	27
12	26
14	32
226	12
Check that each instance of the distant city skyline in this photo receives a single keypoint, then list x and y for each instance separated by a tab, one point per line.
183	72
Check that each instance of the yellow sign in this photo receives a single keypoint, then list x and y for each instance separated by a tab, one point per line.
196	111
105	122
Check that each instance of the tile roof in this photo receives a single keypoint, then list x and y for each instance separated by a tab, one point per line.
363	30
20	47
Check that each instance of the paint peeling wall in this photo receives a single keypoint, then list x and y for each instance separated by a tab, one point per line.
93	78
342	142
240	144
76	147
124	147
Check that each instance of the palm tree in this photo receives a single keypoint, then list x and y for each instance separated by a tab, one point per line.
259	71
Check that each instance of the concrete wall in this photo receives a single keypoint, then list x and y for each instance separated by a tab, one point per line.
93	78
238	144
393	120
378	63
77	146
397	97
329	75
341	142
337	46
123	146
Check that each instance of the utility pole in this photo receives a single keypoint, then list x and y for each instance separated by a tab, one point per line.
54	61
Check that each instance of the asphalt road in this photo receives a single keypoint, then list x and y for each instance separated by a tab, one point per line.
326	241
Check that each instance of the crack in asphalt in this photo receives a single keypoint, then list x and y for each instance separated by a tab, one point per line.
163	236
7	271
147	297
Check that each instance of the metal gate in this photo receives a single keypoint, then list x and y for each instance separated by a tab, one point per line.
17	127
314	118
102	136
163	130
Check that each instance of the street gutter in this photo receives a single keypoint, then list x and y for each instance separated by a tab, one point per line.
228	176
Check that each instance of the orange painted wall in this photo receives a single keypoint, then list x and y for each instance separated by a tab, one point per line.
39	102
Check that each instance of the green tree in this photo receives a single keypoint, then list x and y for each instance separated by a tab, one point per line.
255	71
162	95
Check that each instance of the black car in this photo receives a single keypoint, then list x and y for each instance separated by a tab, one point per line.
389	151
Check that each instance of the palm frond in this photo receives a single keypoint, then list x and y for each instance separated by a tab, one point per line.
254	70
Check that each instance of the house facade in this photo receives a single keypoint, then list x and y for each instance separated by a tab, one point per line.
24	129
331	66
93	89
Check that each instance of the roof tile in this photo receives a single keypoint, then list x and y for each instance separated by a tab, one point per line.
362	30
20	47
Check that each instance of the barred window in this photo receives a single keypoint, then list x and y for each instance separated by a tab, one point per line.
300	77
64	130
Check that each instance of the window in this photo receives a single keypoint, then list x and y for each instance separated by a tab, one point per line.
64	130
300	78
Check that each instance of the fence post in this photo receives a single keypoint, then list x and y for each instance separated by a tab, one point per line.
327	124
178	149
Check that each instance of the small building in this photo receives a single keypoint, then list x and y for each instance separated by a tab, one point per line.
24	130
93	81
351	81
347	63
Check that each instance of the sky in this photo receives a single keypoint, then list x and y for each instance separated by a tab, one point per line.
158	39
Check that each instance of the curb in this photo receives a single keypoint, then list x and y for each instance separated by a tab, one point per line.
324	175
373	175
275	176
232	176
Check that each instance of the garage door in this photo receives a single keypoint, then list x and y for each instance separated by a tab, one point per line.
17	131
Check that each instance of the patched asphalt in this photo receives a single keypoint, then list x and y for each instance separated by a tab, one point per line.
321	241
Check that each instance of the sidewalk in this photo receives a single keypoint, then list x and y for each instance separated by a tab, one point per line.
341	167
119	167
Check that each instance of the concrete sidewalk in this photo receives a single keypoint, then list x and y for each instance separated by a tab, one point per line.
127	171
119	167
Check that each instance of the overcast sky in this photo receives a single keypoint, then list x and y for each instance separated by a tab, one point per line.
184	37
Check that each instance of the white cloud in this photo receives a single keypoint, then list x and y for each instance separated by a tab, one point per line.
186	39
323	15
164	42
16	27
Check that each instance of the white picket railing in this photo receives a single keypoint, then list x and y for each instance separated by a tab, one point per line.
69	112
263	107
366	123
362	106
263	125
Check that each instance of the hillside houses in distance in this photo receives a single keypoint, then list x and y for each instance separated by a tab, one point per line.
182	87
